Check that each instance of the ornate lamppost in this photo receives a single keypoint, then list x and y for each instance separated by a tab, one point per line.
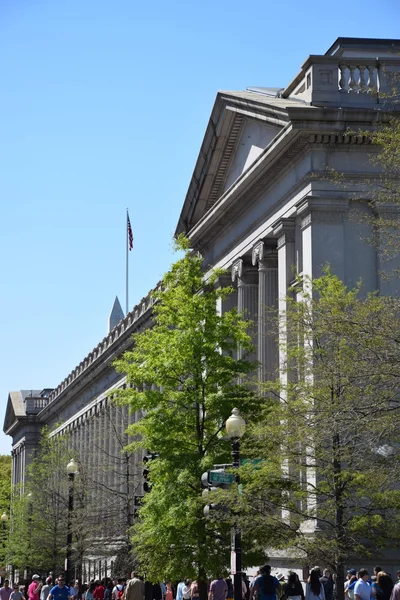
235	428
72	470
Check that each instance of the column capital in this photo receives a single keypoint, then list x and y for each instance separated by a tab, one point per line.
284	230
263	256
317	209
244	273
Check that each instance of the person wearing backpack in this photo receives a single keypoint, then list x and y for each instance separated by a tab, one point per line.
118	591
265	586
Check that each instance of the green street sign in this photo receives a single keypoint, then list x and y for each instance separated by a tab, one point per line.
220	477
254	462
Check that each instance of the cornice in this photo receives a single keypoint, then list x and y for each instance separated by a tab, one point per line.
281	154
322	210
102	356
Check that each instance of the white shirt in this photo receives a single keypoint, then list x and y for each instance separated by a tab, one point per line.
362	589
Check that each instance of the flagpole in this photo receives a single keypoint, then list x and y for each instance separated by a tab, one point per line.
127	259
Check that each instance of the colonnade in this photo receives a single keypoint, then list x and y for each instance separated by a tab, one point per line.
262	281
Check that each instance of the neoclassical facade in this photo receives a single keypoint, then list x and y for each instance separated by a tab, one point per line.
260	205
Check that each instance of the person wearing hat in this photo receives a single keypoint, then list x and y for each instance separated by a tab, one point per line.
34	588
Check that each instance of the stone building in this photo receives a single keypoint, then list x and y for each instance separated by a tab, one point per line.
259	205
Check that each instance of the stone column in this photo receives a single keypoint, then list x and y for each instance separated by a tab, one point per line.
247	287
267	348
284	230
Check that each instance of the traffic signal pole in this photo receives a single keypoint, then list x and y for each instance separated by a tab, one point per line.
237	578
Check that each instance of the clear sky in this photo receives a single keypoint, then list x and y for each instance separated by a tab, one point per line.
103	106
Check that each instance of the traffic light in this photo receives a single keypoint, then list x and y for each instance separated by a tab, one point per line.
146	471
212	480
137	502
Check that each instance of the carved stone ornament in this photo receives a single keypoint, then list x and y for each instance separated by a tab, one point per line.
257	254
237	269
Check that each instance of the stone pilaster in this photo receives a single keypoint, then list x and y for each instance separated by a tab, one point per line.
267	347
246	277
284	230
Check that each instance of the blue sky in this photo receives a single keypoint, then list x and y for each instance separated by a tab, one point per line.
104	106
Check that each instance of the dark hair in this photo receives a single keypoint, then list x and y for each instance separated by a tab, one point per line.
268	580
315	583
377	570
362	572
293	578
385	582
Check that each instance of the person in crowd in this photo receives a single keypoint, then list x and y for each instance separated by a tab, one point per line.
16	594
163	589
73	592
395	595
327	582
265	586
293	590
45	591
169	594
186	593
229	595
218	589
89	594
382	587
350	573
376	571
134	588
108	590
244	587
99	590
59	591
118	589
6	590
194	591
252	582
314	588
362	589
179	589
34	588
349	590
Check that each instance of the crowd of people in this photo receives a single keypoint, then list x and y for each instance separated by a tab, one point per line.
263	586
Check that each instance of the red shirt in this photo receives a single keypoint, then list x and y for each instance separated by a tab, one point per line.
99	592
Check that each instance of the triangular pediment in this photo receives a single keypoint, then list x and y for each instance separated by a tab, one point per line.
254	138
242	125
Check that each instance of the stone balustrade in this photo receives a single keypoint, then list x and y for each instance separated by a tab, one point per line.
357	76
343	81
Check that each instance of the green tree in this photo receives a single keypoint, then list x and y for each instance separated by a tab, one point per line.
5	501
330	442
183	377
40	511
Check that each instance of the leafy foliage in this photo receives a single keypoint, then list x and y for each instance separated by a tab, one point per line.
183	374
40	511
330	442
5	500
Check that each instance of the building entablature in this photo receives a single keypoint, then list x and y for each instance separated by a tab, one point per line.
101	358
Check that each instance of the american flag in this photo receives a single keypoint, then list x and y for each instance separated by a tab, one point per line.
130	234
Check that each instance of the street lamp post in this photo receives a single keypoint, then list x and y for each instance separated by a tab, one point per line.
72	470
235	428
4	519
